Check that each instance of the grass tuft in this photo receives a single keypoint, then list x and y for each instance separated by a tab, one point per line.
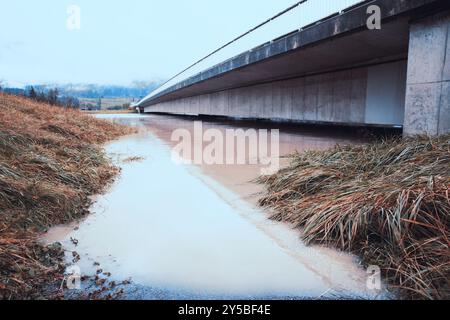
387	201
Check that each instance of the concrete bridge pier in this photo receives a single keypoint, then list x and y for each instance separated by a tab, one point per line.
427	106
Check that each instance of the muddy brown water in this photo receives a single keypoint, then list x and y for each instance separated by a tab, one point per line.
182	231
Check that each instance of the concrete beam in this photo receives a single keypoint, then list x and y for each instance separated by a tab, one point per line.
342	97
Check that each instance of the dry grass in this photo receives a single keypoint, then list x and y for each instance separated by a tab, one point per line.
50	163
388	202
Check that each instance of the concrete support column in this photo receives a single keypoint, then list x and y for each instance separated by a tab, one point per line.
427	107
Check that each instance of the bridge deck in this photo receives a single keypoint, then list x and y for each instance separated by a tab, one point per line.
341	41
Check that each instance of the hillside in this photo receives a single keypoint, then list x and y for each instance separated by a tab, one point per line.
51	161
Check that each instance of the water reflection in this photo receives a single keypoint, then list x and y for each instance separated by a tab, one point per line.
191	229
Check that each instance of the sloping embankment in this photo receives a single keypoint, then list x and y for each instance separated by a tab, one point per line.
388	202
50	163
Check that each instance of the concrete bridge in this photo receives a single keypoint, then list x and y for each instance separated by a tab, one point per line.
335	71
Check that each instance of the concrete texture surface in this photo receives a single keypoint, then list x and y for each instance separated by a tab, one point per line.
341	97
444	116
427	98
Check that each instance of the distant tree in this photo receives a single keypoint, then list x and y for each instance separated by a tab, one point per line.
69	102
52	96
99	103
42	97
14	91
32	93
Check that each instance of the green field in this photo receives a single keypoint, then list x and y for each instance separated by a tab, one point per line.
106	103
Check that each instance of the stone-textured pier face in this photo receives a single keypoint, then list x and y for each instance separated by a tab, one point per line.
428	83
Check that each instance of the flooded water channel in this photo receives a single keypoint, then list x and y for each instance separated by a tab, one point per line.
186	231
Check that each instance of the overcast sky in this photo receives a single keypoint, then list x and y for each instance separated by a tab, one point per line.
122	41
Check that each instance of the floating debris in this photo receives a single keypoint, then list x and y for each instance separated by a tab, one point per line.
76	257
133	159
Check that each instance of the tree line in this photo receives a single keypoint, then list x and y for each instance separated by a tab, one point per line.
50	96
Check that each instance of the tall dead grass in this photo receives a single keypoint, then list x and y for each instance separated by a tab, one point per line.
50	163
388	202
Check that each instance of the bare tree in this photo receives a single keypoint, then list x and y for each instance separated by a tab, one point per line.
32	93
52	96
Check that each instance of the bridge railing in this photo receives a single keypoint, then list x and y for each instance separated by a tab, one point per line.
305	13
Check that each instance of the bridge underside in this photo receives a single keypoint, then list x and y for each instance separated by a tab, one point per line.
396	76
352	96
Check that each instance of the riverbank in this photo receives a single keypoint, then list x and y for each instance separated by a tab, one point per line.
51	162
111	112
206	244
388	202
